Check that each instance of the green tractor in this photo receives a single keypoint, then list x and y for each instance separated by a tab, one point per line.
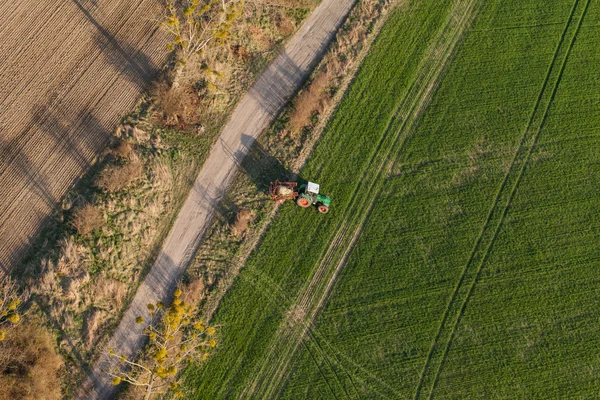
306	195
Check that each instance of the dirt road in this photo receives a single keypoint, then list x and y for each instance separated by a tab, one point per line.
68	70
254	113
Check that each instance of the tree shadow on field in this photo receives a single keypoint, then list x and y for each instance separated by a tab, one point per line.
76	137
54	140
125	58
32	185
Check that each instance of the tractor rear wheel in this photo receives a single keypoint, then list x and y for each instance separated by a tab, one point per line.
323	209
303	202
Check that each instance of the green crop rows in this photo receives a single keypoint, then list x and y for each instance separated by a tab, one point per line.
458	260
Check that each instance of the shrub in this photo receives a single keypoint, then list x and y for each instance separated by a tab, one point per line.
86	219
118	177
122	150
176	106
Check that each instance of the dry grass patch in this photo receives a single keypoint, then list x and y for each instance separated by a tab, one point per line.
293	3
108	293
194	292
93	323
176	106
260	38
242	220
118	177
122	150
312	100
29	366
87	219
284	24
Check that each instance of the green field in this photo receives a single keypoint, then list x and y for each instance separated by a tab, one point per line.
458	258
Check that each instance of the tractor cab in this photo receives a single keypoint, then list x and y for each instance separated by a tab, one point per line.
312	188
309	194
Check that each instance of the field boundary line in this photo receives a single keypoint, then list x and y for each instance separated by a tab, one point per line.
528	136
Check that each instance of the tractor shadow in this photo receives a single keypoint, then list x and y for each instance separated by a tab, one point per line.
260	167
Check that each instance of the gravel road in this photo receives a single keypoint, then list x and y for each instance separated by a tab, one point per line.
250	118
68	70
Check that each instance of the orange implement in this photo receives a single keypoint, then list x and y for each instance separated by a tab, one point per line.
281	191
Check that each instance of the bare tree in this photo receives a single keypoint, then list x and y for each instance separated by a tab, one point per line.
193	24
176	337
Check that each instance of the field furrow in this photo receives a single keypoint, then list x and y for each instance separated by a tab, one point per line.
70	70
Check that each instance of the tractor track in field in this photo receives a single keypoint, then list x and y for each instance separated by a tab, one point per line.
70	69
268	375
465	286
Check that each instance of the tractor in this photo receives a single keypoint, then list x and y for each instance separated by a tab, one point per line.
305	195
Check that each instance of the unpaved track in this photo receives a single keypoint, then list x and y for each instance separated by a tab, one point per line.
254	113
68	70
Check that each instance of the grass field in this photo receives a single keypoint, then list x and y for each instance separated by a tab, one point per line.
458	258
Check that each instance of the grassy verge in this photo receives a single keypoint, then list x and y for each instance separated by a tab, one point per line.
470	220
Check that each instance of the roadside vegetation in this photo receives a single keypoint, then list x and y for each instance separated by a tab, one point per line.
87	264
176	336
458	256
29	364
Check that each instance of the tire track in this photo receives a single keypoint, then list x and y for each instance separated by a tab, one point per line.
268	376
463	290
278	298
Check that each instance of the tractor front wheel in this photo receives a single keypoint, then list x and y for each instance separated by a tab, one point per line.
303	202
323	209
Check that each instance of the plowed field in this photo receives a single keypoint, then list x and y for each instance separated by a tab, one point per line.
69	70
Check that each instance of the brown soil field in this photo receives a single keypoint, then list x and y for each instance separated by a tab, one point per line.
69	69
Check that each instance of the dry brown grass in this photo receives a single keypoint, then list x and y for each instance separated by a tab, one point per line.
176	106
86	219
29	365
122	150
311	100
193	292
117	177
284	24
242	220
260	38
293	3
240	53
109	293
93	323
